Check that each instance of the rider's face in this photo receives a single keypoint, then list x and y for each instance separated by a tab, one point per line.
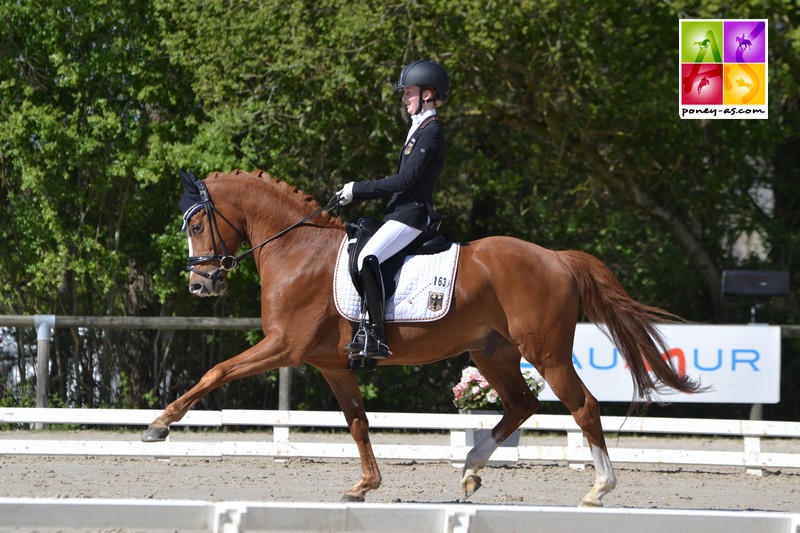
411	96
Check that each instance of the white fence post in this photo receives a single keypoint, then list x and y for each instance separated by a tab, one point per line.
752	447
574	447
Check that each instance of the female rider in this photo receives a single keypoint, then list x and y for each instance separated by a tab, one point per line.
409	211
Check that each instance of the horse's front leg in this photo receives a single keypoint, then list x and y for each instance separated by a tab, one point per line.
345	387
264	356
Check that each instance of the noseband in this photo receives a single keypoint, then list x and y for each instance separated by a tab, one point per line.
227	262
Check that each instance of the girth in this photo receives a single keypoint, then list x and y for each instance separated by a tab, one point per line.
360	230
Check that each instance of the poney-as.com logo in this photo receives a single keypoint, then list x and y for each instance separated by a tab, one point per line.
723	68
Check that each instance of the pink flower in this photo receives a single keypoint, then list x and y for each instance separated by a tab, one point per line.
474	392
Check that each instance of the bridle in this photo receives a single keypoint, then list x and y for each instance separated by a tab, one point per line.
226	261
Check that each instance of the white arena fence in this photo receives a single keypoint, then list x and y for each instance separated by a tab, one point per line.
235	517
252	517
574	450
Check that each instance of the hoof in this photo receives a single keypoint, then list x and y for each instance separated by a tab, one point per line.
154	434
347	498
469	486
587	503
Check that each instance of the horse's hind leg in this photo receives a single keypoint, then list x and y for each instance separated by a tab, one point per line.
502	371
568	387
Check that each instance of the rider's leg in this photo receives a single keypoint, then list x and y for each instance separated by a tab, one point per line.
392	237
375	297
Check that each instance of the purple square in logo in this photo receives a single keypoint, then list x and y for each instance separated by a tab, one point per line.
745	41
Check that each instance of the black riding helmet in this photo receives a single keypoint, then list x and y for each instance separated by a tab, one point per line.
426	73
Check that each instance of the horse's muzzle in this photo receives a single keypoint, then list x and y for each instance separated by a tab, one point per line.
207	287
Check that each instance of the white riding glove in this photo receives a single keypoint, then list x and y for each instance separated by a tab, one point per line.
346	194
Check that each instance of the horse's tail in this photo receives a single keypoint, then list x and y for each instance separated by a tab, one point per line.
631	326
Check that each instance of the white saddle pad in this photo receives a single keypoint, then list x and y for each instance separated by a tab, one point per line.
424	287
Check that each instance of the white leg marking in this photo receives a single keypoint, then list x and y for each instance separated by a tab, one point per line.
605	479
477	457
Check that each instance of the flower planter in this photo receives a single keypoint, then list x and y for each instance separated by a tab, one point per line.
470	436
473	435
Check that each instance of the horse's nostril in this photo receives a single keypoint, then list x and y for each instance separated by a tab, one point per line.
195	287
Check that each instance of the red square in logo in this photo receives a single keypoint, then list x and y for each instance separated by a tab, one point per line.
701	84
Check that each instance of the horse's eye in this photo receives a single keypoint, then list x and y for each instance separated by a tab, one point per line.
197	229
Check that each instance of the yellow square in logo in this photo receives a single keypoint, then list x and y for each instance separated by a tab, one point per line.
744	83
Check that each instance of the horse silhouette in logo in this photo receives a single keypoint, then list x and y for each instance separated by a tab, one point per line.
703	44
704	82
744	43
741	83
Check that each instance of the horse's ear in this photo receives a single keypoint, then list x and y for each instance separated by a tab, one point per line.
189	182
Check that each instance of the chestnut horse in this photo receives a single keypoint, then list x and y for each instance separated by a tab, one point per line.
512	300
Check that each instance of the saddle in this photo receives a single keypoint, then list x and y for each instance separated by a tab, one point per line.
360	230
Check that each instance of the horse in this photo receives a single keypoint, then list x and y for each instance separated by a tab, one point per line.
743	43
702	84
512	299
741	83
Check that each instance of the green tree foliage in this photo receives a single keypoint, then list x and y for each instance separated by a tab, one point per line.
562	129
86	96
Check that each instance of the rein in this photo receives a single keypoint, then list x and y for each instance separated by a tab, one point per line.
228	262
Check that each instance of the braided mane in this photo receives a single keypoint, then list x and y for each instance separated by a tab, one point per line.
290	192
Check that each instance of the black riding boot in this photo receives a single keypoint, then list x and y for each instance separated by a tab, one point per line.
371	341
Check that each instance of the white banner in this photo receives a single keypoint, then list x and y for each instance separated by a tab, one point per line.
742	364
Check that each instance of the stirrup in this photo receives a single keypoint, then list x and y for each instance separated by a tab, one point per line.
355	348
376	347
367	345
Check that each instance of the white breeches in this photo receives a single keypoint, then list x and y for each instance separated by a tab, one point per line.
392	237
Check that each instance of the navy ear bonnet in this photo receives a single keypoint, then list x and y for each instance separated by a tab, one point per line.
192	199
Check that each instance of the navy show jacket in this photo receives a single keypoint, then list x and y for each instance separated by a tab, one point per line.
410	190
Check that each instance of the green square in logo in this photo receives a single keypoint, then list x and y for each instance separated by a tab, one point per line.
701	41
